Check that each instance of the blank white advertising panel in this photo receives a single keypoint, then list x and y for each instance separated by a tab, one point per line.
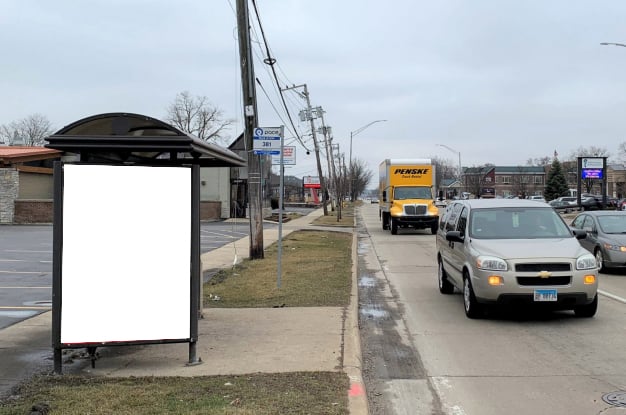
126	253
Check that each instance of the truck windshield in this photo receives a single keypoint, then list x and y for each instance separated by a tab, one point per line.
412	193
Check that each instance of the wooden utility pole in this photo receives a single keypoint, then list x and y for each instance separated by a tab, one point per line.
249	102
309	116
328	140
317	151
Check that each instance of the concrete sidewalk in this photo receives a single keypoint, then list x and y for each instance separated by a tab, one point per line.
230	341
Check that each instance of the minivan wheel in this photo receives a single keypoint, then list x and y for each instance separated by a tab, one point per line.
587	310
472	308
445	286
600	260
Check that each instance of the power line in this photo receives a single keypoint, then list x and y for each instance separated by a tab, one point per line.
271	61
275	110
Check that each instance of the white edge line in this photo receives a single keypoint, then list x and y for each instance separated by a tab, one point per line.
612	296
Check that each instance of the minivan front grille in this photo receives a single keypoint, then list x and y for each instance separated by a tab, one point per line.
538	267
415	209
565	280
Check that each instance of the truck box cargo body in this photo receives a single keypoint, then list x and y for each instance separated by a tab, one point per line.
406	194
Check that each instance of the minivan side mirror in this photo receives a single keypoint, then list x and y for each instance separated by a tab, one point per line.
454	236
579	233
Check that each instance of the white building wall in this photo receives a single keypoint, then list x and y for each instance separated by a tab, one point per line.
215	186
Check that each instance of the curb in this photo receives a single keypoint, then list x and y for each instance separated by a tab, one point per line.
352	362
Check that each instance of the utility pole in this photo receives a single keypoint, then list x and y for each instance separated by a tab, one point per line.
338	191
327	143
249	102
309	112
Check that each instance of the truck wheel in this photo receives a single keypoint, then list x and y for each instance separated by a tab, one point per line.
394	226
434	228
385	222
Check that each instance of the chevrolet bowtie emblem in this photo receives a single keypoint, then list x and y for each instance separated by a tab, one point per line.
544	274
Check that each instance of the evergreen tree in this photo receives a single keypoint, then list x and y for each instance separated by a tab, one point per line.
556	185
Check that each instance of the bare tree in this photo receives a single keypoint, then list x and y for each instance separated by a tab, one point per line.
621	152
361	177
29	131
196	115
539	161
591	151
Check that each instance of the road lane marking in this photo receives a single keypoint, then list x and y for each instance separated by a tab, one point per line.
22	288
612	296
24	272
24	308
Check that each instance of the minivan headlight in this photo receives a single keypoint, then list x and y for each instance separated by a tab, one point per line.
587	261
491	263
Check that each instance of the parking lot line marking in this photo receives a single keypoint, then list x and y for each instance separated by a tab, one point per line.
612	296
26	250
22	288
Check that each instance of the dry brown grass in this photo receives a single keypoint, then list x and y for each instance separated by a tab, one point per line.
316	271
315	393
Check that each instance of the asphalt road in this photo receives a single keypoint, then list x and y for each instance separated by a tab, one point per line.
422	355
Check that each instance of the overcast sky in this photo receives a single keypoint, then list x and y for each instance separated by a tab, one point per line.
497	81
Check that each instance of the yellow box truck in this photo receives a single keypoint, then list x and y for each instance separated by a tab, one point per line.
407	195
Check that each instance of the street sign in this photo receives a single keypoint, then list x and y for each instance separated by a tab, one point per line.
593	162
289	156
266	141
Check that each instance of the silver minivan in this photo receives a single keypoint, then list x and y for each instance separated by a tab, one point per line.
514	252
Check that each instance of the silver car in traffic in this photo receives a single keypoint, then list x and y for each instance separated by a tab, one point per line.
514	252
606	236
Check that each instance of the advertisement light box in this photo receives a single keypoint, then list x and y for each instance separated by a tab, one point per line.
126	253
591	173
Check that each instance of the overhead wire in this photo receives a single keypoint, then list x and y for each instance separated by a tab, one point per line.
271	61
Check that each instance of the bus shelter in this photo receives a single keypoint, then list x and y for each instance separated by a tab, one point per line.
126	235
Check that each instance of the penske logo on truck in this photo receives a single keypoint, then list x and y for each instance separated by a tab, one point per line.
411	171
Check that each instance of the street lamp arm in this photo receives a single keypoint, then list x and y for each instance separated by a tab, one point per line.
613	44
358	130
449	148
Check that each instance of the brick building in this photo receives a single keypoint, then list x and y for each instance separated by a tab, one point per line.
26	184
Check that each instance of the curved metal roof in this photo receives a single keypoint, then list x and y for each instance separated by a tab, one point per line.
135	138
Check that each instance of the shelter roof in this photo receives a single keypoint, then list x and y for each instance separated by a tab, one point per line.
135	138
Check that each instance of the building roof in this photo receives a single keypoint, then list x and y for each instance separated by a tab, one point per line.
11	155
505	170
520	170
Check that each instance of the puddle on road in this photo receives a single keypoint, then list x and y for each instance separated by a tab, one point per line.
367	282
362	248
374	313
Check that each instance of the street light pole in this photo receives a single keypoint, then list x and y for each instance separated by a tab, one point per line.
352	134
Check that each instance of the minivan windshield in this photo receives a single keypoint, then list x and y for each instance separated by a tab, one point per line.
517	223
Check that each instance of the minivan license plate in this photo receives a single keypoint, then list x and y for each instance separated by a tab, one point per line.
545	295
